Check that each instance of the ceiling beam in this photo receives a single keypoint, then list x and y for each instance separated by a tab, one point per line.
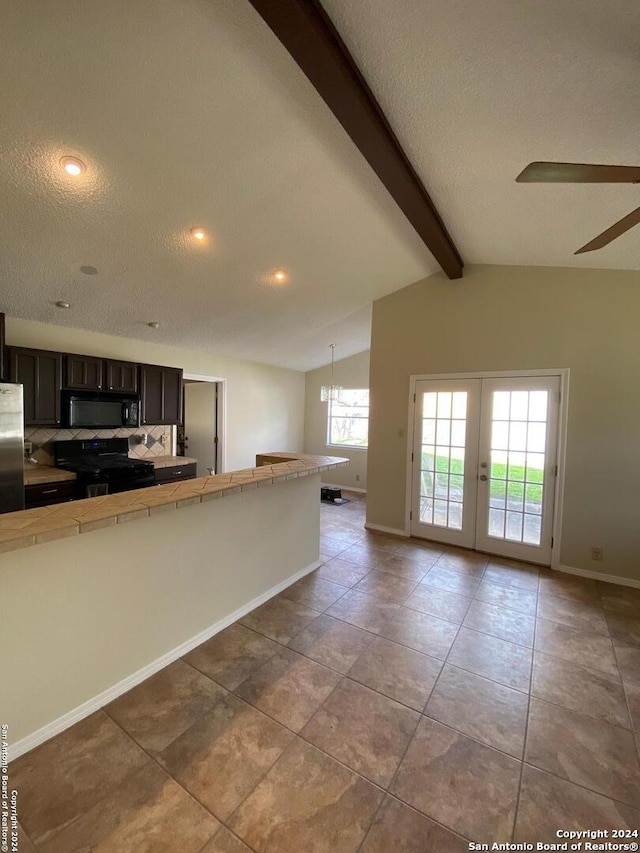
309	35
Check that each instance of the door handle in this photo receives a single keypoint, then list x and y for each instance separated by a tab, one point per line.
483	477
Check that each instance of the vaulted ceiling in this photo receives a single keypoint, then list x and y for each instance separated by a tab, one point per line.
191	112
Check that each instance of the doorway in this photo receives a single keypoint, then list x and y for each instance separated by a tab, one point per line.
201	433
485	462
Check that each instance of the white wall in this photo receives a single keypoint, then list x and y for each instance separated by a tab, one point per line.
264	405
92	610
350	372
511	318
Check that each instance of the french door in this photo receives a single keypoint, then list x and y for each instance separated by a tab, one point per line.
484	463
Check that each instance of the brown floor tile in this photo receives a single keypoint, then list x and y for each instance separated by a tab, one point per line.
493	658
221	757
482	709
589	691
289	688
332	642
342	572
160	709
511	625
628	658
404	568
625	630
224	841
66	776
279	619
397	671
548	803
149	811
386	585
331	547
462	784
519	576
632	691
576	646
341	532
307	802
364	730
315	592
425	553
439	603
24	845
381	541
421	632
507	596
232	655
469	562
567	586
451	580
575	614
621	599
403	830
587	752
364	555
363	611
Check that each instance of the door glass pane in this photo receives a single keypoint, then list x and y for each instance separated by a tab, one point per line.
516	479
442	458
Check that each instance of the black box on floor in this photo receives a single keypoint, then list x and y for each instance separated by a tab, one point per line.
330	493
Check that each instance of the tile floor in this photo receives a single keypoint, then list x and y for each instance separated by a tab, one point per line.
402	697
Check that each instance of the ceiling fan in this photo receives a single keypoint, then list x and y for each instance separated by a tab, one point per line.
584	173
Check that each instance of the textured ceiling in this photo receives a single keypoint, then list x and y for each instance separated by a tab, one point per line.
476	89
190	112
187	113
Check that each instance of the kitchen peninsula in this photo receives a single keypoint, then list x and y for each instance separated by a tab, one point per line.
103	592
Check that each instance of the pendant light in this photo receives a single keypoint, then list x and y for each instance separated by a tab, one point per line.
331	392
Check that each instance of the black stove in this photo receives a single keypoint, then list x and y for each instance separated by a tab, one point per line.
102	465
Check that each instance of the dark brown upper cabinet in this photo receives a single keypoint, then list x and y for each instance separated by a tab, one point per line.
121	376
89	373
40	374
83	372
4	368
160	394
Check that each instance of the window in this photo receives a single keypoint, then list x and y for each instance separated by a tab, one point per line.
349	419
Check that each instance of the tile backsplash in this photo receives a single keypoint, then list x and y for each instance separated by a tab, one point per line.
42	440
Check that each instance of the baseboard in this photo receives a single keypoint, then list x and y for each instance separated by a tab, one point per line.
90	706
346	488
600	576
379	528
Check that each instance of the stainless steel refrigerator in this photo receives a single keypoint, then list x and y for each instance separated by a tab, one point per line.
11	448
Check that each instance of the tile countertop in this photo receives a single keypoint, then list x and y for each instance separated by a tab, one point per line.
38	475
170	461
45	524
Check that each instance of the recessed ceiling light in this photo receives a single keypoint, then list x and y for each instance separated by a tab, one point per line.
280	276
153	325
62	304
198	232
72	166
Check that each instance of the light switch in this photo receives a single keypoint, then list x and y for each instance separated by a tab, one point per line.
401	433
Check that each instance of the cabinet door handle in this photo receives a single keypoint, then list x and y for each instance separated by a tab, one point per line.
49	491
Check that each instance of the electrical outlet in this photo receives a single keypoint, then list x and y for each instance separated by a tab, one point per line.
357	478
596	552
28	448
163	439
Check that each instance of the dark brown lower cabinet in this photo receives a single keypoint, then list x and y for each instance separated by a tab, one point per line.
176	473
49	493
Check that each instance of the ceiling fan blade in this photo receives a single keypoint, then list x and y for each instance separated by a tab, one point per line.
612	233
578	173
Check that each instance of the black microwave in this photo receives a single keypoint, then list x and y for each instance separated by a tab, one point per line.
84	409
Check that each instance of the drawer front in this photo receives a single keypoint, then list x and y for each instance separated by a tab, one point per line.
175	473
49	493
